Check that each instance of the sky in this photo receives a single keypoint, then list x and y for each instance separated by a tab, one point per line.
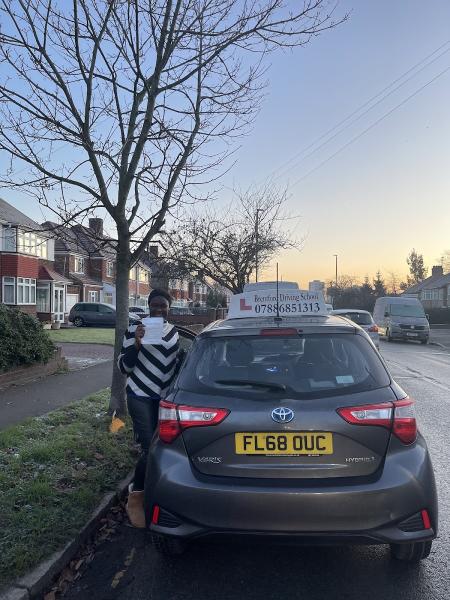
381	186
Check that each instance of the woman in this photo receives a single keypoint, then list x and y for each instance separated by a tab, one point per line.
150	370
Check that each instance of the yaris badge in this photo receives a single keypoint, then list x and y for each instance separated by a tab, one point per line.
282	415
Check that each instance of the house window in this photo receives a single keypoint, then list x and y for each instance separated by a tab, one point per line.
110	269
143	276
31	243
9	239
43	299
108	297
79	264
93	296
26	290
132	274
9	290
42	247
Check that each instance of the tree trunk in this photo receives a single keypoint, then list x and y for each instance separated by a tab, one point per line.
118	400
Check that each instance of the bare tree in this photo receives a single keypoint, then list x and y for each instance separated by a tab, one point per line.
125	106
393	284
445	261
229	245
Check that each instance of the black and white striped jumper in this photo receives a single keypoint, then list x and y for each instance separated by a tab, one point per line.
150	369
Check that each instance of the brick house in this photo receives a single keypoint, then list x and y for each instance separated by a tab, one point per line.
28	276
185	289
87	257
434	291
140	284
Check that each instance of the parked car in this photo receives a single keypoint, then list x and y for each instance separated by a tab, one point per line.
364	319
139	311
401	318
180	310
289	428
96	314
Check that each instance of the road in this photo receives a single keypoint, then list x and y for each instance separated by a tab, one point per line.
127	568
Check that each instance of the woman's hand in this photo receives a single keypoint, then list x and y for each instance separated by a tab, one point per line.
139	334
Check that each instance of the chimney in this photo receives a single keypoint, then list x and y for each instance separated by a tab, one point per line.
437	270
96	226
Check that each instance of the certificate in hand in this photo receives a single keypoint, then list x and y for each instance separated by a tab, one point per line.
154	327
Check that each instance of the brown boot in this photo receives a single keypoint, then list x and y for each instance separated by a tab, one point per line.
135	507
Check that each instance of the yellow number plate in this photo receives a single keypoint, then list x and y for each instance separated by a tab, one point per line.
290	442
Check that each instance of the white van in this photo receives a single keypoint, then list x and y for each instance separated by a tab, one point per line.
401	318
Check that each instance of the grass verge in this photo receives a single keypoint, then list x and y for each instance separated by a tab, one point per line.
53	472
83	335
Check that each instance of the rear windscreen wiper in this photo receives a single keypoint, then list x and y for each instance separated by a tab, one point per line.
246	382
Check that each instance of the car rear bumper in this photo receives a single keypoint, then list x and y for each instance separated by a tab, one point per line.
302	512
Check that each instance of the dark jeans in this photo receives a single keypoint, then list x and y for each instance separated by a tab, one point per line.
144	414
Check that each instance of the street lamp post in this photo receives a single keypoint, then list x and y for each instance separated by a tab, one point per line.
336	280
258	210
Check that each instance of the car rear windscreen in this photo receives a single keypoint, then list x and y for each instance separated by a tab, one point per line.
301	366
358	318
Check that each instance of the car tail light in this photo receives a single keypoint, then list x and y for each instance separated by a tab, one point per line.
405	425
369	414
174	418
373	329
397	416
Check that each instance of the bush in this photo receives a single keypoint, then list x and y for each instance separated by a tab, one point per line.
22	339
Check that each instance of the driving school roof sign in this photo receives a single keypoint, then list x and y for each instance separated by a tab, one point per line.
265	302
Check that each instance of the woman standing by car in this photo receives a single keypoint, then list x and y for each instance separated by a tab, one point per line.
150	369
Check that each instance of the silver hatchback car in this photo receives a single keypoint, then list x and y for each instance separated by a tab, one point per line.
289	429
364	319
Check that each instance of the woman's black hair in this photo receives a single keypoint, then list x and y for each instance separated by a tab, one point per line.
160	293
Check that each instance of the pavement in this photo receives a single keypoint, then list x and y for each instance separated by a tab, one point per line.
90	370
440	336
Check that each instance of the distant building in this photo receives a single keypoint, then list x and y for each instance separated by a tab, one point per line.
316	286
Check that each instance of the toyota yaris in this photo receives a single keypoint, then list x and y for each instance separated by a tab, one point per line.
290	429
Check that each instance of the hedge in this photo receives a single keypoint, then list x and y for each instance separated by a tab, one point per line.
22	339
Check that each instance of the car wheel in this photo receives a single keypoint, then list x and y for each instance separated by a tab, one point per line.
411	552
388	335
425	341
168	546
78	322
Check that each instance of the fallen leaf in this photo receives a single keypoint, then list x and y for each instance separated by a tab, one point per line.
116	424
